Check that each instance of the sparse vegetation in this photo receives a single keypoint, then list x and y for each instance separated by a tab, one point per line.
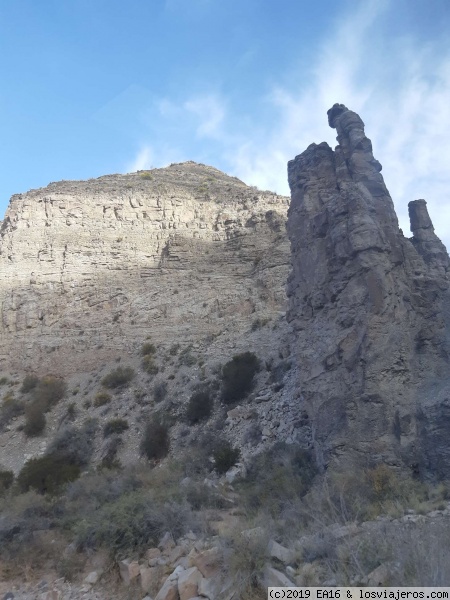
29	383
10	408
148	364
74	445
186	357
159	391
115	426
148	349
155	443
49	391
119	377
238	377
101	399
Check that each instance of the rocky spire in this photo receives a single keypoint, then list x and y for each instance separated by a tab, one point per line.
369	308
426	242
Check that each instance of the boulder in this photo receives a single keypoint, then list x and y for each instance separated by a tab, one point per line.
129	570
188	583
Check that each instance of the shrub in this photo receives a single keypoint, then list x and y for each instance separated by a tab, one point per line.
29	383
9	409
155	443
225	457
148	348
116	426
148	364
187	358
199	407
74	445
159	391
118	377
46	474
49	391
109	455
6	480
101	399
34	419
132	523
237	376
277	478
71	411
4	380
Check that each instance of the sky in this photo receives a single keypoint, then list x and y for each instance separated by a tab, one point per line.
91	87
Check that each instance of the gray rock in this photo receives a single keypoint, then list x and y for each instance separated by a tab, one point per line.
370	311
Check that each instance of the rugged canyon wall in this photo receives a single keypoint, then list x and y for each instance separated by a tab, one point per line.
370	310
89	269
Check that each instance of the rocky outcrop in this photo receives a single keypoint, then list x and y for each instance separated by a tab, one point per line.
370	309
88	269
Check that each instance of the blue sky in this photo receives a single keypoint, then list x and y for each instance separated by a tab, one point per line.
91	87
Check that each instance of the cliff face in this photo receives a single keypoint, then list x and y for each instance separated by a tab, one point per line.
370	310
90	269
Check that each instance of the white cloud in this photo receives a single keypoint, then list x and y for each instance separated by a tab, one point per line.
400	90
399	87
210	111
143	160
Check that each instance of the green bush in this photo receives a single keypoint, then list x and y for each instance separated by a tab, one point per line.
101	399
238	376
199	407
149	366
118	377
34	418
116	426
29	383
155	443
49	391
46	475
6	480
225	457
148	348
4	380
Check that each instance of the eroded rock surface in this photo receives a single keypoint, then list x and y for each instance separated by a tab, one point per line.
90	268
370	309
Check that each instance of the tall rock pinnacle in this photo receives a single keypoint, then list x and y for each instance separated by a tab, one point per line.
370	310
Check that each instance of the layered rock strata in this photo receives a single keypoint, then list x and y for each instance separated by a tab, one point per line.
91	268
370	310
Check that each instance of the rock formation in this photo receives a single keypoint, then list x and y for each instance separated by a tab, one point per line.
370	309
89	269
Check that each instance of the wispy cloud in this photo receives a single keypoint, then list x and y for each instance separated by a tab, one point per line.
399	89
398	86
143	160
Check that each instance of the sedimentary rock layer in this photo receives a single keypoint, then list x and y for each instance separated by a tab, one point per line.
88	269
